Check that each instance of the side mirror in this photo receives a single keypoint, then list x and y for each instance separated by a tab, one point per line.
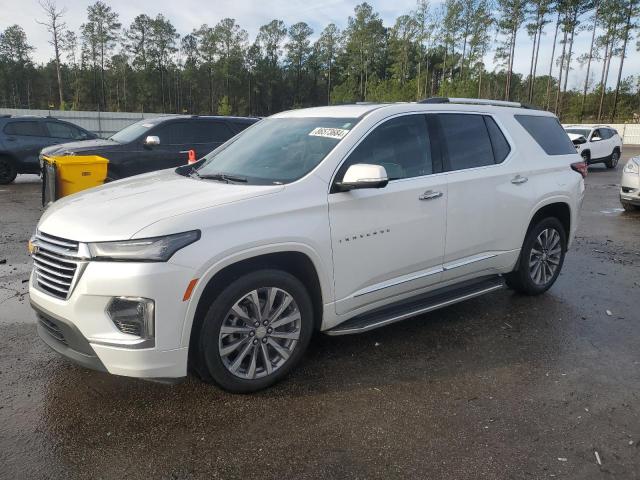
152	140
595	139
363	175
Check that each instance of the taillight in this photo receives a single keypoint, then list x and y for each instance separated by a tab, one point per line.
581	167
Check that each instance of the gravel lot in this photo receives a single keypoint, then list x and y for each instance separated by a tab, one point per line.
502	386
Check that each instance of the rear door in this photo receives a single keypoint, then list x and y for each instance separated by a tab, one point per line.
26	138
488	193
389	241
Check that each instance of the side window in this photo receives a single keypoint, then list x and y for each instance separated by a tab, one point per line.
500	145
61	130
169	133
596	134
548	133
401	145
209	132
29	129
240	126
467	141
606	133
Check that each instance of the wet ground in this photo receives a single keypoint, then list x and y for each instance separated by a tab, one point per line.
502	386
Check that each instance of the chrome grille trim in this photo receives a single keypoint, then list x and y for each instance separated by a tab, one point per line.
61	242
52	272
57	264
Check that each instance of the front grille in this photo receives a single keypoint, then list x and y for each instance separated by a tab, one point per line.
52	329
55	264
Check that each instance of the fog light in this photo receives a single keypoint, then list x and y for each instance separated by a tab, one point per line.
134	316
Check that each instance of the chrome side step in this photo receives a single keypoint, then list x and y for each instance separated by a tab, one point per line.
417	305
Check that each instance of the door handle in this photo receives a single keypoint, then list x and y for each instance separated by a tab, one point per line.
430	195
519	179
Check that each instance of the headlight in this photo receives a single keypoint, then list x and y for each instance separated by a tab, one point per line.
157	249
632	166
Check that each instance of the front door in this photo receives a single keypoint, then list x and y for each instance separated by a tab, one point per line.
389	242
598	144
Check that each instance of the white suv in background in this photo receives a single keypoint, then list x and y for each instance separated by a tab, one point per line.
335	219
597	144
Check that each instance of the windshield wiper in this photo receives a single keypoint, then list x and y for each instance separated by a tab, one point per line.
225	177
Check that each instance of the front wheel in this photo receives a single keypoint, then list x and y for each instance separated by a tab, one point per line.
629	207
255	331
8	171
541	258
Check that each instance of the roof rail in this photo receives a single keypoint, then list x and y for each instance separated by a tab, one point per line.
476	101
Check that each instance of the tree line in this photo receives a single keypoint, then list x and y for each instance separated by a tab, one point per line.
461	48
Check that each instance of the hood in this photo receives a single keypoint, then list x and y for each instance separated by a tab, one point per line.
575	136
78	147
117	210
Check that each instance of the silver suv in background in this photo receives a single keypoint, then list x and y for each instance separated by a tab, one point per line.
596	144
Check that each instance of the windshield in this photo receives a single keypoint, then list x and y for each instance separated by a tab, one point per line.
277	150
133	131
578	131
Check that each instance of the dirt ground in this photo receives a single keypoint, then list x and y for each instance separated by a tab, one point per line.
502	386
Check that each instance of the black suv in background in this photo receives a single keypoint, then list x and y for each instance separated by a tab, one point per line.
155	143
22	138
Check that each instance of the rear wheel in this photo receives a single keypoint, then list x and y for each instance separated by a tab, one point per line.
613	161
541	258
255	331
8	171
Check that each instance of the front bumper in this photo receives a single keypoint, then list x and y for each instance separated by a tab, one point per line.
80	329
630	188
65	338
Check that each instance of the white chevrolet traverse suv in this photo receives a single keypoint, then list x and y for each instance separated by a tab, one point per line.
334	219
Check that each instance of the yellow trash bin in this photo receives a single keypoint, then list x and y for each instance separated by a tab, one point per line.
74	173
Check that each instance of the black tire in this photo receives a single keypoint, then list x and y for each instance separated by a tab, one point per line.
521	279
629	207
586	157
8	171
613	160
209	363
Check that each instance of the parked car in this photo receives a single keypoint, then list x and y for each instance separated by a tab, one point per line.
145	146
22	138
335	219
597	144
630	185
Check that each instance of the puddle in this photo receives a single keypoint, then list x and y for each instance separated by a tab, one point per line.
612	211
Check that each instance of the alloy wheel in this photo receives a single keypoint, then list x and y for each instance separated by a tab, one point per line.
259	333
545	256
614	159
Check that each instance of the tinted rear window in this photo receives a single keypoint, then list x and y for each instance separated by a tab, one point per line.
500	145
548	133
23	128
467	141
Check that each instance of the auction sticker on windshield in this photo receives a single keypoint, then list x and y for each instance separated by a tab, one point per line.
337	133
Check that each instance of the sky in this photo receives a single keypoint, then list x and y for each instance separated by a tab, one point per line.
251	14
